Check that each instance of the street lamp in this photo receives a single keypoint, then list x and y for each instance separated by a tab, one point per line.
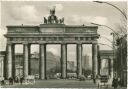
113	33
106	45
114	7
106	38
108	28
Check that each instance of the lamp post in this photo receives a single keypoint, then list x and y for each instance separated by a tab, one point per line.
113	43
108	28
106	45
114	7
106	39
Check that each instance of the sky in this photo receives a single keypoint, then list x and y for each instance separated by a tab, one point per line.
75	13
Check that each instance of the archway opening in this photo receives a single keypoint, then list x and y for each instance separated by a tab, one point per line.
87	60
18	53
71	61
34	60
53	63
104	70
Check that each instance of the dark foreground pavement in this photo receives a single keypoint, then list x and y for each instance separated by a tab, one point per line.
88	84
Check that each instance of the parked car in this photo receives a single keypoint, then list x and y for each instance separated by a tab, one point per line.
81	78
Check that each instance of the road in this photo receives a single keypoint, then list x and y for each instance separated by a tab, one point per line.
88	84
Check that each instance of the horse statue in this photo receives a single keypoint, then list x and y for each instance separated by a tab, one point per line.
45	20
53	19
62	21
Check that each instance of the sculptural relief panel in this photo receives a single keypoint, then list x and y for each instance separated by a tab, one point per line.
51	30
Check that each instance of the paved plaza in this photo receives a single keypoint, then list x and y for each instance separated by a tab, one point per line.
60	84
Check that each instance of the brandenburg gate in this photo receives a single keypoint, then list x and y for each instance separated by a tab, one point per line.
52	31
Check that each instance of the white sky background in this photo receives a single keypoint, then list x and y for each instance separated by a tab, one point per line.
75	13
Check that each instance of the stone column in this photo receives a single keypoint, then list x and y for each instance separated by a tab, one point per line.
98	58
99	66
13	61
109	66
79	59
29	59
94	60
64	60
25	66
42	62
9	60
1	66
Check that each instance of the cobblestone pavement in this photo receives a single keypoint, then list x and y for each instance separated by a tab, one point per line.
88	84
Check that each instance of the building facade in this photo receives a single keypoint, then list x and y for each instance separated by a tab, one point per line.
121	60
53	31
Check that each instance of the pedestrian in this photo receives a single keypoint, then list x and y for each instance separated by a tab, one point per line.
21	80
98	81
2	82
94	80
16	79
115	83
119	82
10	81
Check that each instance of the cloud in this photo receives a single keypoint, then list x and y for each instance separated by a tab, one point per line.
59	7
77	19
100	20
55	49
2	39
26	13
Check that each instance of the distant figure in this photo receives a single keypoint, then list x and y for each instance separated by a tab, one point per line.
2	82
45	20
16	79
10	81
62	21
115	83
94	80
21	80
119	82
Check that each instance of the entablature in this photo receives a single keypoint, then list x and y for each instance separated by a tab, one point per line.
52	28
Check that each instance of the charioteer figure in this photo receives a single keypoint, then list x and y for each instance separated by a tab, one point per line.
53	19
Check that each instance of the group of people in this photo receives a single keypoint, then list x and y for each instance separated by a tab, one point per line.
15	80
116	82
12	80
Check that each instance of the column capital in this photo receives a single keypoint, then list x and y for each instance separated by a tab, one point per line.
80	43
25	43
64	43
94	42
9	43
42	43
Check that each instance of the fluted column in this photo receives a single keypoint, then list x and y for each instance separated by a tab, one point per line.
25	66
94	60
99	66
42	62
111	66
9	60
2	67
13	61
64	60
29	59
79	59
